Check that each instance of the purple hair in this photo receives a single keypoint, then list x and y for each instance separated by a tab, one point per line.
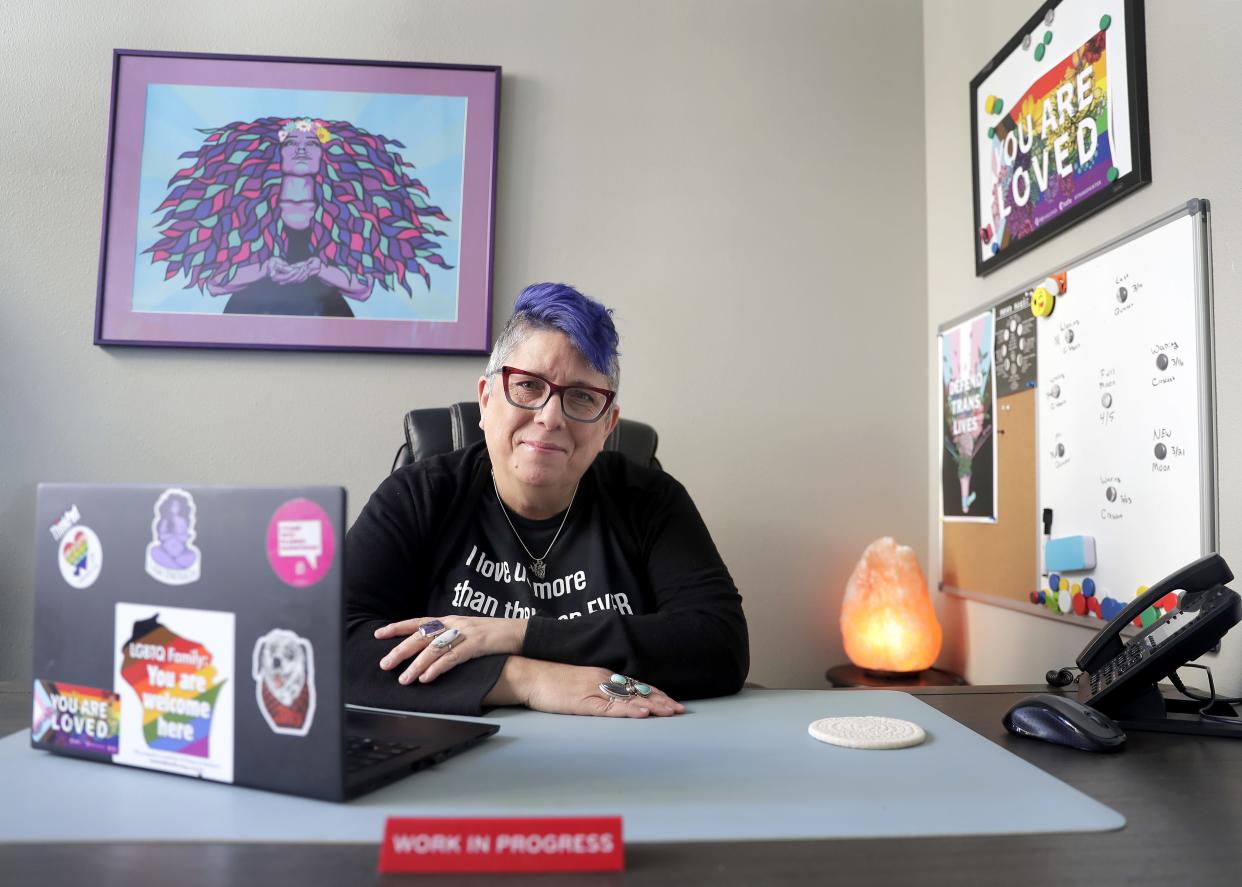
222	210
558	306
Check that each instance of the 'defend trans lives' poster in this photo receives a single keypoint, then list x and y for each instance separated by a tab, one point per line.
968	458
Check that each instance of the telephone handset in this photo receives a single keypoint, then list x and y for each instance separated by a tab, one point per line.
1119	676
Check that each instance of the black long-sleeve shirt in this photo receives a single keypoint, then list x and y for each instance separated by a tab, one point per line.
634	582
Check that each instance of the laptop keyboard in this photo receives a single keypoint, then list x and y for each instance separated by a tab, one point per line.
366	751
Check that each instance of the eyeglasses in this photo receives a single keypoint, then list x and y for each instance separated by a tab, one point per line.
526	391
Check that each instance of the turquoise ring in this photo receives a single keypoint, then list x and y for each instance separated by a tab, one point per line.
621	687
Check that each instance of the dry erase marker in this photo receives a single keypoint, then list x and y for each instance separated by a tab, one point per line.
1043	551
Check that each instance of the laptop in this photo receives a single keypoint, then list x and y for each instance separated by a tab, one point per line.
199	630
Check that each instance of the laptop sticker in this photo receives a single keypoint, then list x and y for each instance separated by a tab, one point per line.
78	554
284	674
300	543
172	557
174	674
67	716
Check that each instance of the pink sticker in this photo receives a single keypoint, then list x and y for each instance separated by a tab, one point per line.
300	543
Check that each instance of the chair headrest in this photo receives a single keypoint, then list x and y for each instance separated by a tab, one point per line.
435	430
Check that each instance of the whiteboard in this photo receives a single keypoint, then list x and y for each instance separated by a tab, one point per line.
1125	430
1111	426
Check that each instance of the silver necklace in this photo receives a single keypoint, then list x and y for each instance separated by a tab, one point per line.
537	566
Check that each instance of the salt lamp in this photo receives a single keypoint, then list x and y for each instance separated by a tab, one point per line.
887	619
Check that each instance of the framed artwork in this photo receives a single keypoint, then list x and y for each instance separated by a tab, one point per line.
1058	125
261	202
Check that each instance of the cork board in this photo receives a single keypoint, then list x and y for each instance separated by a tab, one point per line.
999	558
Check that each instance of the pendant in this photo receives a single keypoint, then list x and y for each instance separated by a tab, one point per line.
538	569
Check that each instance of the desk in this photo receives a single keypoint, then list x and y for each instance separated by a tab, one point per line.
1182	797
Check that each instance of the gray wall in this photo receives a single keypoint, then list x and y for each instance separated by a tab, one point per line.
1196	139
742	181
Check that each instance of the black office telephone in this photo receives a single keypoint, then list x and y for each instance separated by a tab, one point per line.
1119	676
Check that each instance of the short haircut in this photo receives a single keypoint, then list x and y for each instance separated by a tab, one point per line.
561	308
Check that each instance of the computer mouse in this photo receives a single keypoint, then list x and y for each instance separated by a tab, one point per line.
1064	721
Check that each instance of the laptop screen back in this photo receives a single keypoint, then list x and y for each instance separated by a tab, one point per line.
194	630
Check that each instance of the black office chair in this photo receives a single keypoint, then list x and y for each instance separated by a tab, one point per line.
436	430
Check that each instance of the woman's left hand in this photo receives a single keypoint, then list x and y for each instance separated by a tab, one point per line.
477	636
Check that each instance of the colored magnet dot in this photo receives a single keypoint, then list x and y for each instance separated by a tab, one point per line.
1064	586
991	132
1047	37
1088	587
1169	602
1039	52
1105	21
1065	600
998	106
1050	601
1148	616
995	248
985	233
1076	588
1110	607
1036	597
1054	582
1112	173
1080	605
1093	604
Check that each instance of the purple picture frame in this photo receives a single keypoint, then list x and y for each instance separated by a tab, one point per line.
461	247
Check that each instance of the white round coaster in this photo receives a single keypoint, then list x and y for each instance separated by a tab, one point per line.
867	732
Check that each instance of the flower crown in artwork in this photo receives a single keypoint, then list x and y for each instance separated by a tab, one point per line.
305	124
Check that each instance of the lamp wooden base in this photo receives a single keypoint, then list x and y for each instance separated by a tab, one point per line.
853	676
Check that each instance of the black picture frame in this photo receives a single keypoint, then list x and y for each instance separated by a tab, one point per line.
1030	59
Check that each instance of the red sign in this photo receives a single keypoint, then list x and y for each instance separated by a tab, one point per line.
557	844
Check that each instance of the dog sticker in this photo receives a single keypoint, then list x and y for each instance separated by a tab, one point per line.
284	674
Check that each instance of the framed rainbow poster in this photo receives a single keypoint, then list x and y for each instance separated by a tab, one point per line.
1058	124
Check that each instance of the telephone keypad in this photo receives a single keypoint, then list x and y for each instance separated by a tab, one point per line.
1148	645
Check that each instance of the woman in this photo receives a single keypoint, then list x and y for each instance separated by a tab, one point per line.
531	568
295	216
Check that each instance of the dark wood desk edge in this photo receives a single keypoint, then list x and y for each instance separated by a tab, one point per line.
1148	784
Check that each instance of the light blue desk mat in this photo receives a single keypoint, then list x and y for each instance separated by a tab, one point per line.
742	768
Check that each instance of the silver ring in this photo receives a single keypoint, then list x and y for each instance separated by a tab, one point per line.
615	692
446	638
631	687
431	628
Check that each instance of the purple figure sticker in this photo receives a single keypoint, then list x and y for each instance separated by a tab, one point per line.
172	557
300	543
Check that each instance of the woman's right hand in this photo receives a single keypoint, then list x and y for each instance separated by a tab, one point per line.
572	690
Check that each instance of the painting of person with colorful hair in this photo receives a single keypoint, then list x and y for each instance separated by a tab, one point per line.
296	216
